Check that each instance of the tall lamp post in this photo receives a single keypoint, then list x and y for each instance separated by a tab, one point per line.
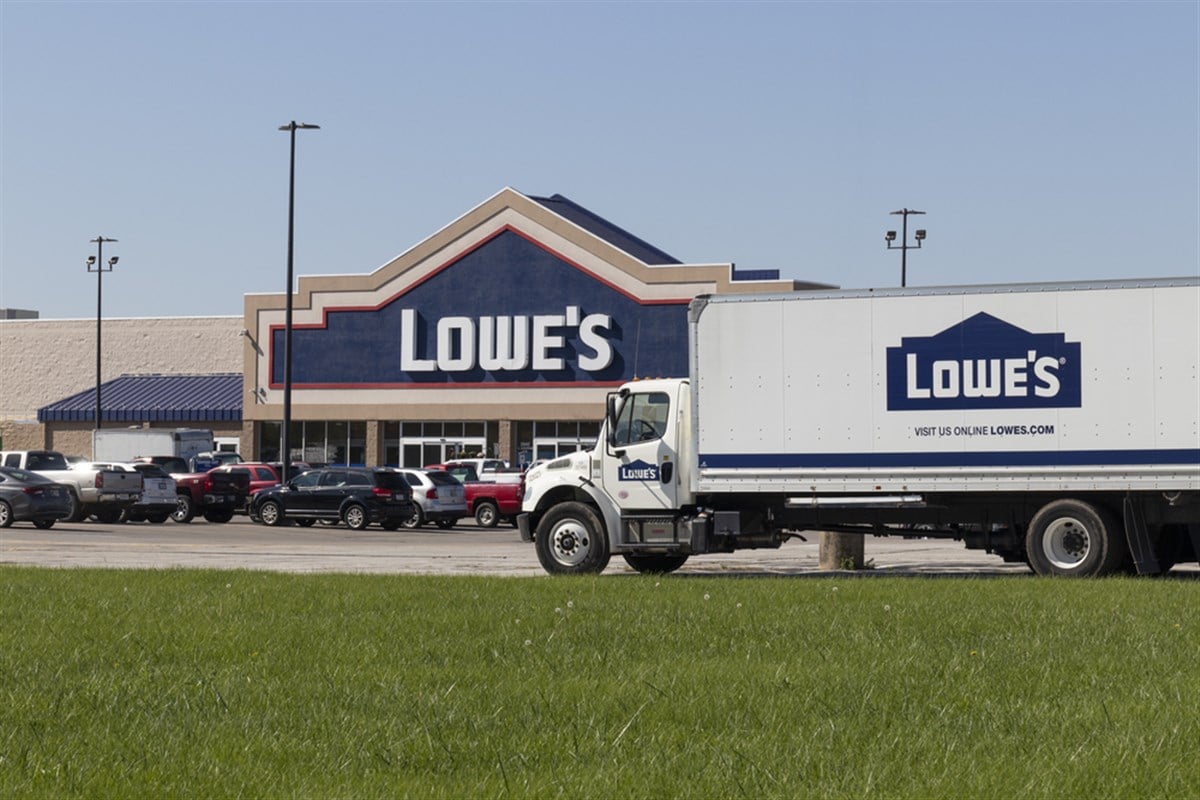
904	246
284	444
96	264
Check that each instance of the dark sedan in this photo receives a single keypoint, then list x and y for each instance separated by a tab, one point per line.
29	497
357	496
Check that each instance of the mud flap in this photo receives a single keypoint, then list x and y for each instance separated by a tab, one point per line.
1140	546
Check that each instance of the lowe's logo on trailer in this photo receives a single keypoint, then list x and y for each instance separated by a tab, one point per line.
637	471
984	362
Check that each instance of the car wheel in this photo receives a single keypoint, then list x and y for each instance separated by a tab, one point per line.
185	509
571	540
391	524
6	514
305	523
109	516
486	515
219	516
446	524
356	517
44	524
416	519
157	519
270	513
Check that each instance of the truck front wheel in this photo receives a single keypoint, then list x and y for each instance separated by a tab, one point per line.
1072	537
571	540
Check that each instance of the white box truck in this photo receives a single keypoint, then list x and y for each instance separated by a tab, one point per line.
126	444
1057	424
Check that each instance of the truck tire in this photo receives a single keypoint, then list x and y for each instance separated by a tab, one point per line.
1075	538
78	511
157	519
6	514
271	513
356	517
486	514
570	540
219	516
655	563
109	516
185	509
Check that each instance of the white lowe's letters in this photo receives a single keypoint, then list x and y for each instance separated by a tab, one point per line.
506	344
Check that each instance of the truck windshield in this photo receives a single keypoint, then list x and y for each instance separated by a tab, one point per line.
643	418
46	462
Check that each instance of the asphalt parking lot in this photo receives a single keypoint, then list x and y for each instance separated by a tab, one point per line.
464	550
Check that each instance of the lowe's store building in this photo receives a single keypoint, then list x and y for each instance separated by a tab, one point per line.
498	335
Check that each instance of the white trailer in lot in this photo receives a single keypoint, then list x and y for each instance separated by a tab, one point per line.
1057	424
126	444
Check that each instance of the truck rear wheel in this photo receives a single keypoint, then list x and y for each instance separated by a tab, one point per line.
1073	537
655	563
185	509
219	516
486	514
571	540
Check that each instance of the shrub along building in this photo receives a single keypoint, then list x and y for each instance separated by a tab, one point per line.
500	334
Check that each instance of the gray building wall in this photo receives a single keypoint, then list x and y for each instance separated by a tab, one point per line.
44	360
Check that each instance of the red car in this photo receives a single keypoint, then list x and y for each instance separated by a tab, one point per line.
261	476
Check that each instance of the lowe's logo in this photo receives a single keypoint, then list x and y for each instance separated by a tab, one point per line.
984	362
637	471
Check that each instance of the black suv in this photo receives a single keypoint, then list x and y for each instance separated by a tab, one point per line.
356	496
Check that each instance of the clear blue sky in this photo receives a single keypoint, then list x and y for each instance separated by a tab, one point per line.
1046	141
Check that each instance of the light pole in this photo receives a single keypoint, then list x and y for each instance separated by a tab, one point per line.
96	264
904	246
284	444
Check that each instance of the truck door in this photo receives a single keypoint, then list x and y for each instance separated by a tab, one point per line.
640	470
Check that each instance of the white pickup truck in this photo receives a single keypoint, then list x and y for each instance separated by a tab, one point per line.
157	501
104	493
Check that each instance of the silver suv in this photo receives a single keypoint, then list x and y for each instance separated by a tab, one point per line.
438	496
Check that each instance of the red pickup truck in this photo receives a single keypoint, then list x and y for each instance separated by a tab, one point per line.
488	501
214	494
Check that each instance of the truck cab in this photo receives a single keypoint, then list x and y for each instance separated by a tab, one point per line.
630	495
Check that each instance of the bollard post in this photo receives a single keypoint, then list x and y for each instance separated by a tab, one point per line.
841	550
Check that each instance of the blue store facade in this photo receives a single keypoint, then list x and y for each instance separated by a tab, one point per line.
498	335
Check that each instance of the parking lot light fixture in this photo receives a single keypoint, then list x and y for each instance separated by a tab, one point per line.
284	444
904	246
96	264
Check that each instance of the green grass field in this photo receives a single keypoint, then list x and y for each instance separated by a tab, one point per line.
244	684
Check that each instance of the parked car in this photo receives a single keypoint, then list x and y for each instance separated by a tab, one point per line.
217	496
157	500
29	497
262	476
357	496
438	497
102	493
203	462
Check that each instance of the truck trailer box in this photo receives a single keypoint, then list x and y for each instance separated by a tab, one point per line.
126	444
1089	386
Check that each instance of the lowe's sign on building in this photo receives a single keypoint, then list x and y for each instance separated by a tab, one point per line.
521	292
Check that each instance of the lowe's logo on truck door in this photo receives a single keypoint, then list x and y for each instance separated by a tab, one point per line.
984	362
637	471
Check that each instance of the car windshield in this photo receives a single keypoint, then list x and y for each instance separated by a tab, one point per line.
24	475
390	480
443	479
